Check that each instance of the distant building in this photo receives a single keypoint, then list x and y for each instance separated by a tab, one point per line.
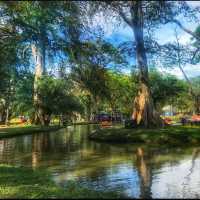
112	116
169	110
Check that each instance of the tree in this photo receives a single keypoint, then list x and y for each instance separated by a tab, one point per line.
121	88
93	80
194	94
32	20
141	16
40	24
23	96
57	98
196	47
183	102
165	89
9	66
177	55
55	93
89	70
196	89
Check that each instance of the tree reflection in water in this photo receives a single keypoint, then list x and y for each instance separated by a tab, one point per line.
145	173
36	150
195	155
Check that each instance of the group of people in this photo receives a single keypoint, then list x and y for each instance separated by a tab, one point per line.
194	120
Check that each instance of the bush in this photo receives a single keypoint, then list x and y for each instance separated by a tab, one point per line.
130	123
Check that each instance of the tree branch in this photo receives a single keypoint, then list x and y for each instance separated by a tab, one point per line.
118	9
125	18
185	29
195	53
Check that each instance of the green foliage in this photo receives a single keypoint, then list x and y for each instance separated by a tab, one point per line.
165	88
57	26
56	96
23	97
92	79
196	85
8	61
30	17
196	45
94	58
43	24
168	136
122	89
184	101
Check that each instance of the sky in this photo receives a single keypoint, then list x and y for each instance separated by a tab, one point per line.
122	32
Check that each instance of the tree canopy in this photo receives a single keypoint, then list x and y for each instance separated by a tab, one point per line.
55	63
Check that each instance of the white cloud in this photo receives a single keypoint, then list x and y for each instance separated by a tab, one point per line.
190	70
184	38
106	23
193	3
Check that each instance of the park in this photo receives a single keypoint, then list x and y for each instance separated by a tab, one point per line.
99	99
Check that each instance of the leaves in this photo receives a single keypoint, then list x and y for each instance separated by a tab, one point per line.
56	96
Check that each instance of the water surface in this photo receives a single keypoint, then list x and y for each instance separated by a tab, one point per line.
134	170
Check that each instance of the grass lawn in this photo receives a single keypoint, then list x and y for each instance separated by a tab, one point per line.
173	135
26	183
15	130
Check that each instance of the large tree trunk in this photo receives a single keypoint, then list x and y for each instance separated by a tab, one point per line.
8	104
197	104
88	111
3	113
38	52
143	112
94	108
7	116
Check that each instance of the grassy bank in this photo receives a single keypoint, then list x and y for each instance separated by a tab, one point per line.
174	135
83	123
25	129
22	182
6	132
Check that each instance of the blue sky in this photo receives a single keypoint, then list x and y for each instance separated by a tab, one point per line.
121	33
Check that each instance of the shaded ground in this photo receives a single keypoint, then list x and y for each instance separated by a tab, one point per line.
173	135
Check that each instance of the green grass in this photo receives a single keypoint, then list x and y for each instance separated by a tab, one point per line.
83	123
173	136
26	183
25	130
17	130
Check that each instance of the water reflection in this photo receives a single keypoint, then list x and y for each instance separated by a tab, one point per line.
134	170
145	173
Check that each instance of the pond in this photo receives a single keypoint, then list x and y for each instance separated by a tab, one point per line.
133	170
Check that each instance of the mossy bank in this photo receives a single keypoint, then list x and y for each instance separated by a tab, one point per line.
12	131
173	136
25	130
